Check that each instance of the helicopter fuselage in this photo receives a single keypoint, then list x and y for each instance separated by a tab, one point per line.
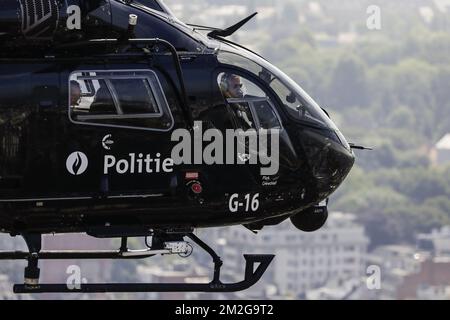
67	168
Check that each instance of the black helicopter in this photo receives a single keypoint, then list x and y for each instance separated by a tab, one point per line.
91	93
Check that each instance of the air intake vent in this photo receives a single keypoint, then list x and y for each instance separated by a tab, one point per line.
39	18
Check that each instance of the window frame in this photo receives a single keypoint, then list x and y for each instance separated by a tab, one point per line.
249	100
154	85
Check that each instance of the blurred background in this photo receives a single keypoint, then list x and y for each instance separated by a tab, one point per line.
386	84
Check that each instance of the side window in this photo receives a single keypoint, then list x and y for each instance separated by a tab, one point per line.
88	99
251	106
267	117
130	99
135	96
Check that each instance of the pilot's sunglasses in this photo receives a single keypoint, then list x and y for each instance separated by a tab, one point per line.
238	86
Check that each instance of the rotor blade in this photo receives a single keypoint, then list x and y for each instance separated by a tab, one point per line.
229	31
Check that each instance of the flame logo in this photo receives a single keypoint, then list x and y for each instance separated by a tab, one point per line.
77	163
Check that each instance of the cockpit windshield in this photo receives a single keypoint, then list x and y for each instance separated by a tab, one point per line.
296	101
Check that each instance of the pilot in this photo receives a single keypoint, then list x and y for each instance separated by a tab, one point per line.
75	93
233	88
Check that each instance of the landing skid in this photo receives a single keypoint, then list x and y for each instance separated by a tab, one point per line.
31	285
251	278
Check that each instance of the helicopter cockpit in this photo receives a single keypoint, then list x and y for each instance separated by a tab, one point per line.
249	104
296	102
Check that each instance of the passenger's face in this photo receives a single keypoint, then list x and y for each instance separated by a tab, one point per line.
236	87
75	95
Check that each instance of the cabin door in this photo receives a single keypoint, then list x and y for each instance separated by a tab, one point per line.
119	143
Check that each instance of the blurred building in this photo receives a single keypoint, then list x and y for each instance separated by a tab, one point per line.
6	288
401	258
303	260
437	242
13	269
442	5
56	271
420	272
395	262
432	281
442	151
433	293
339	289
179	272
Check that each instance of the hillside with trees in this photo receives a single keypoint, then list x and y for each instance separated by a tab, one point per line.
389	89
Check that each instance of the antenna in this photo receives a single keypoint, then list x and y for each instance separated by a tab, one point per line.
358	147
129	34
230	30
132	23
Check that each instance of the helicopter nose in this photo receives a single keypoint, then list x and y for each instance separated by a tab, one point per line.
329	158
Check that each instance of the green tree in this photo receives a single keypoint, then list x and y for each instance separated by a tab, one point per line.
348	85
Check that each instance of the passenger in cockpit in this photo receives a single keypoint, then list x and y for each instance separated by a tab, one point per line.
75	94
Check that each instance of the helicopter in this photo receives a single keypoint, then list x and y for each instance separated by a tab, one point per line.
95	96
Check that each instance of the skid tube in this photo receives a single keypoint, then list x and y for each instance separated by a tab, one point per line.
252	276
